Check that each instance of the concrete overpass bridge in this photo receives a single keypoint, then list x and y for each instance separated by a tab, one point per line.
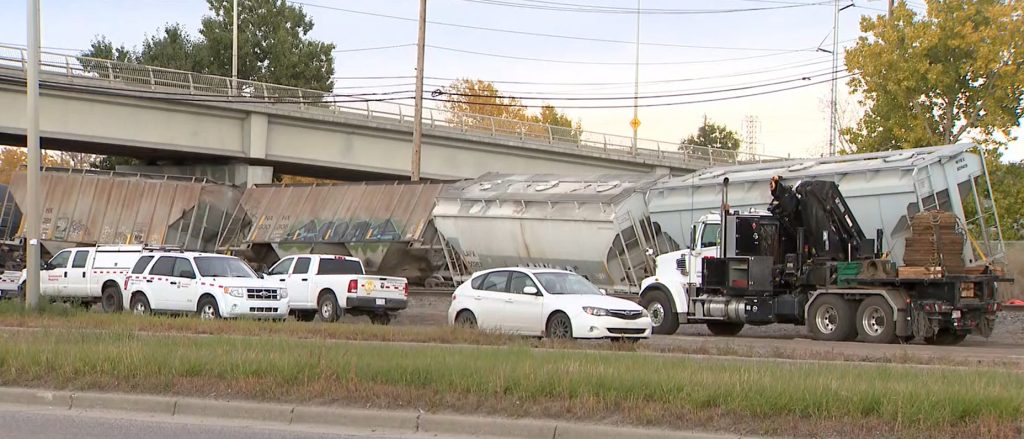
107	107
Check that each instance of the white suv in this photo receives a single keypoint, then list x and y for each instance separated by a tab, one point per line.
209	285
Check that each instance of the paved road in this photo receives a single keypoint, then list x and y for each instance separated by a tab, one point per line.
18	422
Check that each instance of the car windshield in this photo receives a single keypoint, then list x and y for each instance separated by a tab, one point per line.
219	266
566	283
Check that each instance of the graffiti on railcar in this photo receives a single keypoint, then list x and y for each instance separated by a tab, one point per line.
344	231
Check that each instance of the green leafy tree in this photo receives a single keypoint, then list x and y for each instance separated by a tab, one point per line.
479	105
952	75
932	80
273	44
273	47
712	142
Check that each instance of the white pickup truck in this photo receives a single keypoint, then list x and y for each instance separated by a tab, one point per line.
329	286
89	274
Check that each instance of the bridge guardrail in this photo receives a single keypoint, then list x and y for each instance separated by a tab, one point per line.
189	86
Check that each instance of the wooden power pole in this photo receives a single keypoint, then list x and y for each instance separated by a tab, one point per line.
417	128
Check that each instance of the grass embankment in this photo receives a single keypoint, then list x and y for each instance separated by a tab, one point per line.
676	392
58	316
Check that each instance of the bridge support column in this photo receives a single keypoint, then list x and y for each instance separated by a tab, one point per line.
254	135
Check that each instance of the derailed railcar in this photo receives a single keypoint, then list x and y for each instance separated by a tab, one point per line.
884	190
82	207
387	225
597	226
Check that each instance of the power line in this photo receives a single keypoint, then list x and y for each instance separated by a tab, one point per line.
603	63
335	99
595	9
540	34
364	49
660	96
770	69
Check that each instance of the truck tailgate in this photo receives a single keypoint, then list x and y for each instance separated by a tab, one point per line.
381	287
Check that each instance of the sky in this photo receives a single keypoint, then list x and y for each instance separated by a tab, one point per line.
703	61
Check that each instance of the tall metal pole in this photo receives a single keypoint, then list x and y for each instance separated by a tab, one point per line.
636	81
234	44
835	66
417	128
33	212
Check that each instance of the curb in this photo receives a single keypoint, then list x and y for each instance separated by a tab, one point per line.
361	419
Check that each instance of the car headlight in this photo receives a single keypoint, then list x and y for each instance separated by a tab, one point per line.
234	292
282	293
594	311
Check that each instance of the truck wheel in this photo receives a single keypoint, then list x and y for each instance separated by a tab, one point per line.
657	304
140	305
559	326
832	318
380	319
327	307
945	337
874	321
725	328
110	300
305	316
208	309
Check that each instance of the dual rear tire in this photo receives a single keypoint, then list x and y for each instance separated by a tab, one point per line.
833	318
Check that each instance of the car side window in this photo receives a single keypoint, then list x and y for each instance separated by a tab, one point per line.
141	264
163	266
61	260
183	268
301	266
478	282
80	257
496	281
519	282
282	266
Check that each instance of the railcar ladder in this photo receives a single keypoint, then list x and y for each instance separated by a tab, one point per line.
927	199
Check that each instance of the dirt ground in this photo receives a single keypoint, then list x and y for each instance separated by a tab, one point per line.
1006	342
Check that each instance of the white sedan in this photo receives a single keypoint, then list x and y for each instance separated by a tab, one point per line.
542	302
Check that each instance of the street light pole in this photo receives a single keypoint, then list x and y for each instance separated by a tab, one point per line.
234	45
33	212
417	128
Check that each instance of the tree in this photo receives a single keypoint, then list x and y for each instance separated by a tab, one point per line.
12	158
479	105
273	47
710	137
932	80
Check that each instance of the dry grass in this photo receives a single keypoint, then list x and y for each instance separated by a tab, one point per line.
667	391
63	317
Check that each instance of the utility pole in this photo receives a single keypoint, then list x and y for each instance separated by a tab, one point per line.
835	66
234	46
33	212
635	123
891	5
417	128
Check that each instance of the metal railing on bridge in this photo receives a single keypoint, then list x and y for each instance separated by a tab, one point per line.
101	76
